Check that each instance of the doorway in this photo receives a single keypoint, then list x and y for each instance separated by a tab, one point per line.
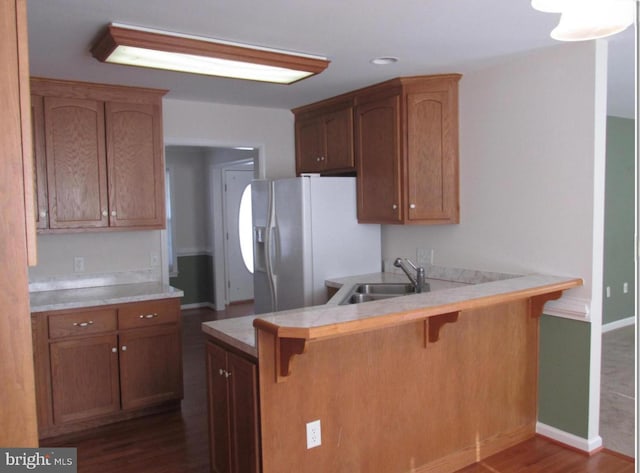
195	236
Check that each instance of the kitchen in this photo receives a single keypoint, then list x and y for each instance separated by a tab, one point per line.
542	235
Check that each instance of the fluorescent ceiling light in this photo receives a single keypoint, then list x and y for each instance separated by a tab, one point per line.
144	47
583	20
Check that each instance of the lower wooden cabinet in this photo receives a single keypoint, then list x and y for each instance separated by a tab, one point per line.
103	364
232	382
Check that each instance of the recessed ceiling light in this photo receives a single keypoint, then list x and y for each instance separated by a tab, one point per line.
384	60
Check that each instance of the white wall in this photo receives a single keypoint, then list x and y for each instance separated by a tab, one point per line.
211	124
526	170
190	188
112	252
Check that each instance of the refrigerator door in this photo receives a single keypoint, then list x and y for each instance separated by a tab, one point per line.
261	203
291	252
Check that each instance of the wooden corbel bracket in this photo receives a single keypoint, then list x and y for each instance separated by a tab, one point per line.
286	349
536	303
432	326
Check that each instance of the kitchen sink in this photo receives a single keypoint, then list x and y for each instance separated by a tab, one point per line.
388	289
377	291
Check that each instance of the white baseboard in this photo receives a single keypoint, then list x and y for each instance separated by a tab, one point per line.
618	324
586	445
198	305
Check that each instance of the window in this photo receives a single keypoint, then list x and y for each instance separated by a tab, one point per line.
245	230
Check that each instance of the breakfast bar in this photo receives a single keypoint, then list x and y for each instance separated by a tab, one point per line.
428	382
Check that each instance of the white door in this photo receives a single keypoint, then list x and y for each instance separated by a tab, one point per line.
238	233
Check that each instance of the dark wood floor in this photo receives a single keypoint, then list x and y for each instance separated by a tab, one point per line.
176	442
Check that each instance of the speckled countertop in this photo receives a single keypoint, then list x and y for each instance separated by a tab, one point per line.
60	299
240	333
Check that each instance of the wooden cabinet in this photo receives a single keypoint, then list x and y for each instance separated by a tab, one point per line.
324	139
233	411
100	149
102	364
403	134
407	151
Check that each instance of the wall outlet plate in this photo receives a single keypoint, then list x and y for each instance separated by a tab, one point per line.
314	436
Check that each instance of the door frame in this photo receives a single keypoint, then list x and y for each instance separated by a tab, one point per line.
218	246
243	165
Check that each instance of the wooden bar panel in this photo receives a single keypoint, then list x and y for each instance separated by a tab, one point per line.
387	404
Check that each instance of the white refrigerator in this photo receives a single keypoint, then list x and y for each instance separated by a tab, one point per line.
305	230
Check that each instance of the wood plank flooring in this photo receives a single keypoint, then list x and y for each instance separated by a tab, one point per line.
177	442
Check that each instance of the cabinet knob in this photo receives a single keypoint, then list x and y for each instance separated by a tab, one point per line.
221	372
124	348
394	206
412	206
105	213
43	214
114	350
227	374
113	213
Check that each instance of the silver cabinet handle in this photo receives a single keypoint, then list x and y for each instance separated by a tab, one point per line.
113	213
105	213
83	324
114	350
227	374
124	348
43	214
224	373
412	206
148	316
394	206
221	372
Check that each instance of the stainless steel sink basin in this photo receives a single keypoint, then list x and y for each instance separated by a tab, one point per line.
377	291
389	289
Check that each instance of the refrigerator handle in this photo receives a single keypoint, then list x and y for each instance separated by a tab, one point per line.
269	242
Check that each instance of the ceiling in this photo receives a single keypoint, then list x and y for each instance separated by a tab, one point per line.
427	36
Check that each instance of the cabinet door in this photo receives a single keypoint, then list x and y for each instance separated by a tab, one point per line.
338	131
76	166
432	172
243	415
218	409
309	146
41	201
136	169
378	160
150	366
84	376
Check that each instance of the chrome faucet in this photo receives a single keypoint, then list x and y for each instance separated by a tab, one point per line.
419	280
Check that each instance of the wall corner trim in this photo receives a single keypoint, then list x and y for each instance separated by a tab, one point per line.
571	440
569	308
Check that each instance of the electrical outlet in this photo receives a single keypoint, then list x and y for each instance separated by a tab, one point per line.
78	264
314	437
424	256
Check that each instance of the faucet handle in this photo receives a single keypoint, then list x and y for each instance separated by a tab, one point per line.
411	264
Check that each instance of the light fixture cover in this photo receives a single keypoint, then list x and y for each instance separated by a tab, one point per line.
156	49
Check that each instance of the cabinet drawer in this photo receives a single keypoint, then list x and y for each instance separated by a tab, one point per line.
145	314
82	323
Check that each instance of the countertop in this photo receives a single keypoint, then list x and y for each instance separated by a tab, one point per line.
455	295
61	299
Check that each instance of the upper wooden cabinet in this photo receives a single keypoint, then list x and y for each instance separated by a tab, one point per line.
100	147
404	137
324	139
407	151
